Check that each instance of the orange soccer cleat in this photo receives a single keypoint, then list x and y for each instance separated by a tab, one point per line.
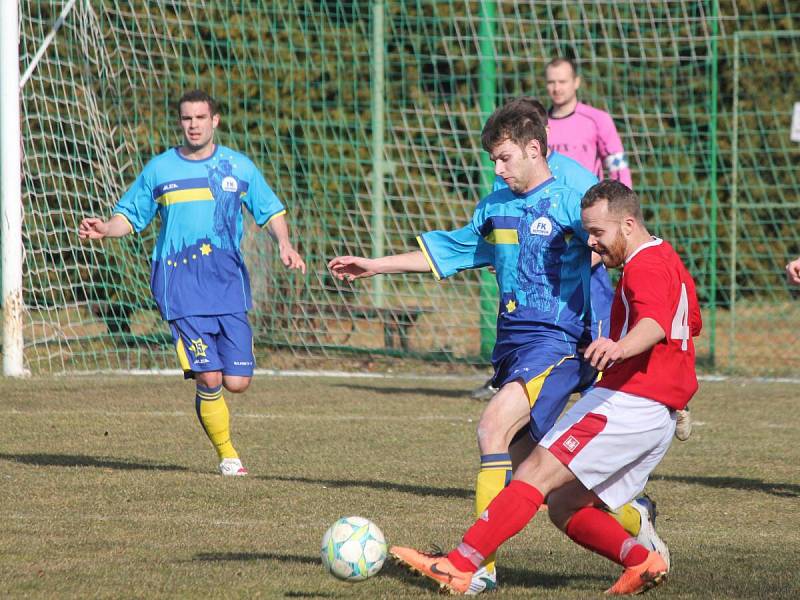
642	577
434	566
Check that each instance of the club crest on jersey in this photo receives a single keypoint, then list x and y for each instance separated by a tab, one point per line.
229	184
571	444
541	226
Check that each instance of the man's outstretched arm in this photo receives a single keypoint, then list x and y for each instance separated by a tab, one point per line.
93	228
357	267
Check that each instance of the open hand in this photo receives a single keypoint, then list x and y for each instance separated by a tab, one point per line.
793	272
291	258
351	268
92	228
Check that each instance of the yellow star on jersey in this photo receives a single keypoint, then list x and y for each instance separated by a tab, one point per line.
205	249
511	306
198	348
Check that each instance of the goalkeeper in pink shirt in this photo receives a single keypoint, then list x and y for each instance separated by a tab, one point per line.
582	132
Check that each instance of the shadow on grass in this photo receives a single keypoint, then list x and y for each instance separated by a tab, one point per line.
419	490
79	460
593	584
251	556
786	490
524	578
403	390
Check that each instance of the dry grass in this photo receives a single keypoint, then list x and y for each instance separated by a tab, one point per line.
109	491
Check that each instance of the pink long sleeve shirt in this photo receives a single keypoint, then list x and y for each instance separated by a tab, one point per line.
588	135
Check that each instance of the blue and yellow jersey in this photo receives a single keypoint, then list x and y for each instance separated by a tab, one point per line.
537	245
197	266
574	175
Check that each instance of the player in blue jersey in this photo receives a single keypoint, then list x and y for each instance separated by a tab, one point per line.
574	175
638	517
531	234
199	280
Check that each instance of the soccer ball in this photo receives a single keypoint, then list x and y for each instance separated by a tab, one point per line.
353	549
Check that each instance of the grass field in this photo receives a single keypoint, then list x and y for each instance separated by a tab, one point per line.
109	491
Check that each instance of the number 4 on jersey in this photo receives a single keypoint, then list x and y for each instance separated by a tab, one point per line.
680	322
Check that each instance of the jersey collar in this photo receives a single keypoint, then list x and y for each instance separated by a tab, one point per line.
653	242
539	187
202	160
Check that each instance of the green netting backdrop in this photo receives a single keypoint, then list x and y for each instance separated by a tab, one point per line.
701	92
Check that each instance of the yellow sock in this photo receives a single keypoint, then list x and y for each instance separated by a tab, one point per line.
494	475
629	518
215	419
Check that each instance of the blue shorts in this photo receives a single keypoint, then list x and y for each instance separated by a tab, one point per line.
217	343
551	374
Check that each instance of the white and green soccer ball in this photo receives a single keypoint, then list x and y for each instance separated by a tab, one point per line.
353	549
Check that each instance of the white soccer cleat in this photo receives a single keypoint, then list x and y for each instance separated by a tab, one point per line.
683	425
232	467
483	580
647	532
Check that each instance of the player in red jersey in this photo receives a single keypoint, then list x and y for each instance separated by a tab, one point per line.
602	451
589	136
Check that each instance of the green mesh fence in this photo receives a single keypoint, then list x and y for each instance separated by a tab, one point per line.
763	209
367	153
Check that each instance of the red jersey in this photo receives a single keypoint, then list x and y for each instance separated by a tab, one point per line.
656	284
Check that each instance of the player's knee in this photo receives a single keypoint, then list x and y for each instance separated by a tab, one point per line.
209	379
487	434
498	425
236	385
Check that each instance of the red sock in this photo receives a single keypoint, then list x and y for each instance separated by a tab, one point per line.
505	516
599	532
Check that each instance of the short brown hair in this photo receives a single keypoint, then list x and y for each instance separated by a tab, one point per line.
534	104
198	96
622	200
562	60
517	120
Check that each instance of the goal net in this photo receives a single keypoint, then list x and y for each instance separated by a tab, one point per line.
365	117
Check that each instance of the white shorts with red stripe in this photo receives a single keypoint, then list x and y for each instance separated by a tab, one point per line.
612	441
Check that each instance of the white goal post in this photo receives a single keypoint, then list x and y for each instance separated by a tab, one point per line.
11	189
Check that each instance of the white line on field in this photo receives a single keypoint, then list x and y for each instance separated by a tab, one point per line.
265	416
291	373
391	376
154	518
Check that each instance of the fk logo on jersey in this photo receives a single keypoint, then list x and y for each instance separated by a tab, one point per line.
541	226
198	348
229	184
